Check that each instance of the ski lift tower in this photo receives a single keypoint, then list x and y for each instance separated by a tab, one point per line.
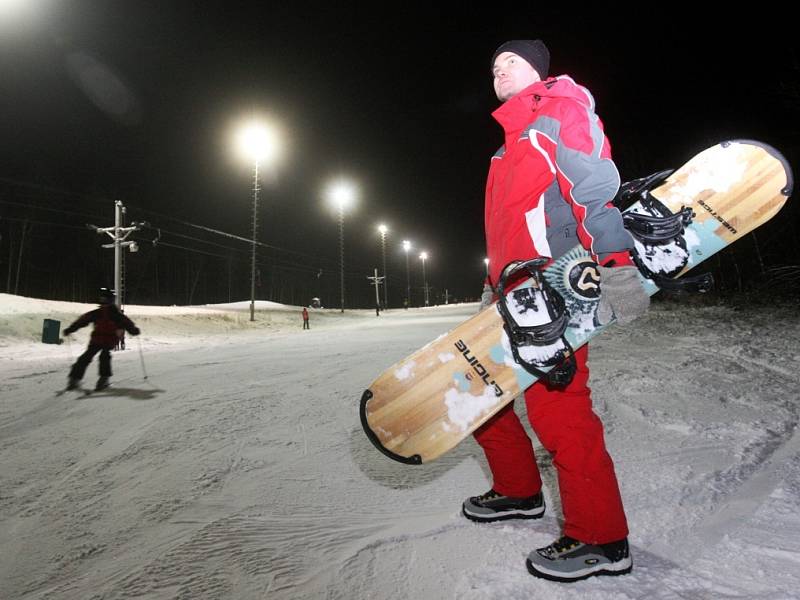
119	234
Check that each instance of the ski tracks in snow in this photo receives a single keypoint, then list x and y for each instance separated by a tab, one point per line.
244	473
720	413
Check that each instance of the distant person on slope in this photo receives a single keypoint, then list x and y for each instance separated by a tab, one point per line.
305	319
550	188
109	325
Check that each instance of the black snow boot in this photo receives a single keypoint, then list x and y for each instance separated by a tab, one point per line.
493	506
568	560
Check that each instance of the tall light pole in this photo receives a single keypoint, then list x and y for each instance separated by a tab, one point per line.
256	142
255	233
407	247
383	229
423	257
342	194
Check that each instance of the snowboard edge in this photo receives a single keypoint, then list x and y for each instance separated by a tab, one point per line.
414	459
775	153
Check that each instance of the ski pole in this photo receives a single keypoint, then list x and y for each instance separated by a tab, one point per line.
141	357
69	349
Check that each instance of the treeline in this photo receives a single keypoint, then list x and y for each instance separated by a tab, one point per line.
47	251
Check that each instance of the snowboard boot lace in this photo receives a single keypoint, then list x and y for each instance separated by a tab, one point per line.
614	551
559	547
490	495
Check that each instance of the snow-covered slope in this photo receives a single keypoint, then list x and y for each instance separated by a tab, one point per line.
238	469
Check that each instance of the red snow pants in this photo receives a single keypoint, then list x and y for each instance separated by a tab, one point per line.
565	424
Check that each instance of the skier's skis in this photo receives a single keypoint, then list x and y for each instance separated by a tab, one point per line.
78	389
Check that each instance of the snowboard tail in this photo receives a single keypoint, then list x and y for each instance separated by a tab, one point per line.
427	403
414	459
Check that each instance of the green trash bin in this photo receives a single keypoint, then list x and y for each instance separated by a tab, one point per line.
50	331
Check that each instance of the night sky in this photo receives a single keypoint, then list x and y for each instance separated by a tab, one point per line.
399	100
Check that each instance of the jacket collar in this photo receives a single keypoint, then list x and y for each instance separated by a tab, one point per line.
516	112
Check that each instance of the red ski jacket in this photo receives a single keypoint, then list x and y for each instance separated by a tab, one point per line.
551	184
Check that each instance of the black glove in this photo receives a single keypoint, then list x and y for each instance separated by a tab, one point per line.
135	331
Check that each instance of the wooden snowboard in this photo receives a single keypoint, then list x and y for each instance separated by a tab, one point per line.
427	403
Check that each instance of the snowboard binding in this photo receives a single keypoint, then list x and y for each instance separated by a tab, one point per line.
661	251
535	319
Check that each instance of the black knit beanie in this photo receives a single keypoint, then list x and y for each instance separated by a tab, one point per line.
533	51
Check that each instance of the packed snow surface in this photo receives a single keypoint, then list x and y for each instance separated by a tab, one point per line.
227	460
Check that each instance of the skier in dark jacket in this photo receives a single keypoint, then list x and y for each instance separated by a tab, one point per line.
109	325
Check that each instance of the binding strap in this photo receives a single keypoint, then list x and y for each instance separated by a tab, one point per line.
563	360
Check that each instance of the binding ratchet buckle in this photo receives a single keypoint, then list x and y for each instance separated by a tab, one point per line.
535	319
655	229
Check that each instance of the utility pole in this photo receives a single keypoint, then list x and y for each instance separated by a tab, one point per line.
119	234
376	281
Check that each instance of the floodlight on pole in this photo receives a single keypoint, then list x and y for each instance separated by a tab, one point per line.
14	11
423	257
383	229
256	142
24	18
342	195
486	262
407	247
